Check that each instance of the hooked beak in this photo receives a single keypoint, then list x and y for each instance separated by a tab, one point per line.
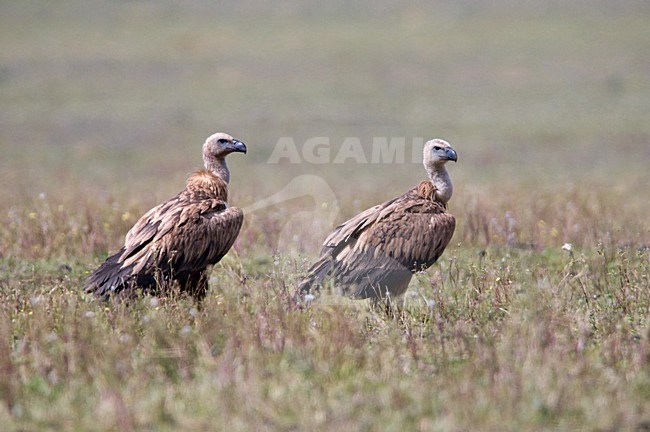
451	154
238	146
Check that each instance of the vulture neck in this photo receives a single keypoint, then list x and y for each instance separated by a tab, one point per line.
217	166
441	181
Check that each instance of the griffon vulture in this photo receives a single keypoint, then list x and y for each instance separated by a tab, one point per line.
178	240
375	254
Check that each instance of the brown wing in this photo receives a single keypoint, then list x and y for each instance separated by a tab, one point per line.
384	245
182	234
203	240
153	225
411	235
352	228
177	239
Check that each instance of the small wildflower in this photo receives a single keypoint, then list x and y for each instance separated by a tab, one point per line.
186	329
154	301
194	312
309	297
32	215
126	216
41	196
567	247
431	303
89	314
125	338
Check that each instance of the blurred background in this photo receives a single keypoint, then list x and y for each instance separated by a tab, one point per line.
113	99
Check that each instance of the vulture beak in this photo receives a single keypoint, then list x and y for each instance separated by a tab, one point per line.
451	154
238	146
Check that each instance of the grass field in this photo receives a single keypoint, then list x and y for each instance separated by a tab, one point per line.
104	106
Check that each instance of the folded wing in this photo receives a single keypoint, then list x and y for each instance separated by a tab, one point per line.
378	250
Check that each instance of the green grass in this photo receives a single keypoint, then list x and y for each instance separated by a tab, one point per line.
518	338
104	106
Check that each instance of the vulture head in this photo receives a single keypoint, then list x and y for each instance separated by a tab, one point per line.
438	152
221	144
215	150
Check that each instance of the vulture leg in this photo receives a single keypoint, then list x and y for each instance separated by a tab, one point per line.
194	284
391	306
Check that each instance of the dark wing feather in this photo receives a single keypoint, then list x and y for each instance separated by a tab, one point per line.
203	240
186	237
413	237
351	229
153	226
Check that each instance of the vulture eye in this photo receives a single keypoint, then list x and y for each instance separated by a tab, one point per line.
437	148
223	141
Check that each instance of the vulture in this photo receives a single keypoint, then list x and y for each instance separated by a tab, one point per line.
375	254
178	240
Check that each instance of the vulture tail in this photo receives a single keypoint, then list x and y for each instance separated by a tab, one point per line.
317	273
110	277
